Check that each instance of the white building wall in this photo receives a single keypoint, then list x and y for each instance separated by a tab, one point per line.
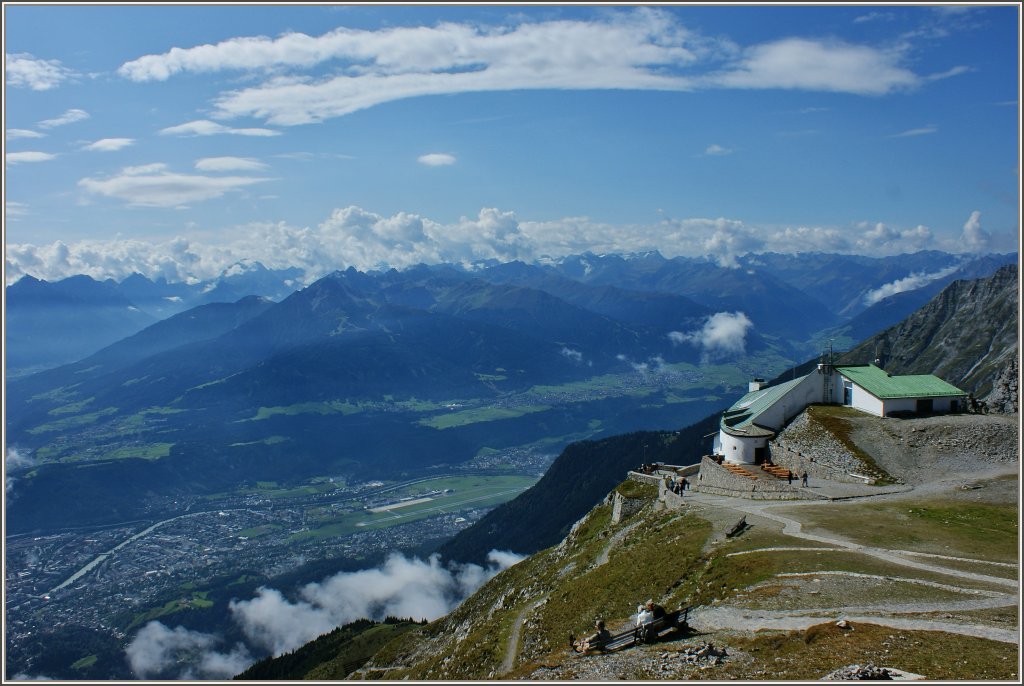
808	391
899	405
740	450
865	402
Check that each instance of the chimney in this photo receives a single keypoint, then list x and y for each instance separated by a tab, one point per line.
755	385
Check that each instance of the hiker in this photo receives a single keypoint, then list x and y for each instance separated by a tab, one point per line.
790	476
598	640
684	485
804	480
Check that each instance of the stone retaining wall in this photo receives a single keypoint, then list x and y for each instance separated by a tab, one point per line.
624	508
717	480
802	447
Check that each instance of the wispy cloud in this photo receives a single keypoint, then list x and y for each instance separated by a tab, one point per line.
205	127
69	117
154	186
110	144
436	159
874	16
218	164
717	150
15	134
907	283
23	70
922	131
643	49
28	156
12	209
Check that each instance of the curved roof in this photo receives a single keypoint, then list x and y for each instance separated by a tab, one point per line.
741	418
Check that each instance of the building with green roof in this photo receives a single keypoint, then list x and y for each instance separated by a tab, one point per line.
754	419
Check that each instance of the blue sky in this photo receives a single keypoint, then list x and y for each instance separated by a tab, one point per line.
175	140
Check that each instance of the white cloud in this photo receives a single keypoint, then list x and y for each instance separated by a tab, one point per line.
874	16
922	131
110	144
572	355
205	127
722	335
436	159
402	587
884	239
14	209
15	134
640	49
28	156
715	149
803	64
22	70
216	164
153	186
182	654
69	117
355	237
907	283
974	238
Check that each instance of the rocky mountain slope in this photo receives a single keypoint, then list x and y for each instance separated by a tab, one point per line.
921	580
966	335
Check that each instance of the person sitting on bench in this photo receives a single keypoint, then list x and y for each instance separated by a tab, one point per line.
656	610
598	640
643	615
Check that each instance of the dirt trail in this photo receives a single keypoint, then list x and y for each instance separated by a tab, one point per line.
513	640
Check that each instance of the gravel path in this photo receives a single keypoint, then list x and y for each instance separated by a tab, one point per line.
936	457
712	619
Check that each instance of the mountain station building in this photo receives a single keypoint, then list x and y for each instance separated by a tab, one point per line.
747	426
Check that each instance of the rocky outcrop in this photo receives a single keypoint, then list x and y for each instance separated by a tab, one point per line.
1005	395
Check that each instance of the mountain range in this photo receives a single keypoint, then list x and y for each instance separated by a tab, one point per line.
383	373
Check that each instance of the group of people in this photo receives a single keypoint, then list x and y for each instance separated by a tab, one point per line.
678	484
648	612
649	468
803	479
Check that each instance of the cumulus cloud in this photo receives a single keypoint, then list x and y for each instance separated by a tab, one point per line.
722	335
884	239
216	164
402	587
110	144
69	117
974	238
28	156
355	237
15	134
907	283
23	70
436	159
183	654
154	186
205	127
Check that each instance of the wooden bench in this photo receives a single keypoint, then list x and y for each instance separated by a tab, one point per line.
648	632
738	528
